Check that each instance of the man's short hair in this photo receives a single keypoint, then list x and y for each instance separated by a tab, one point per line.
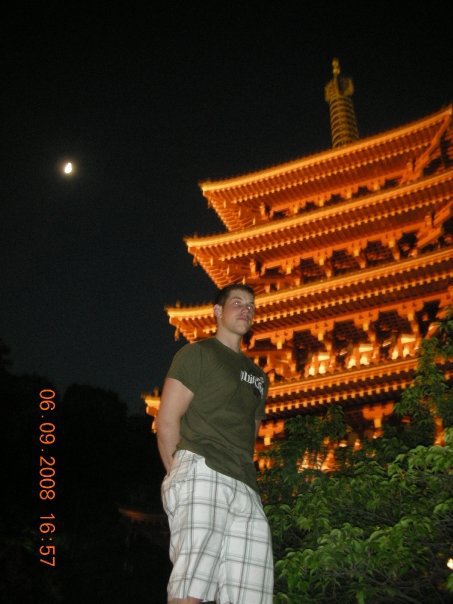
224	293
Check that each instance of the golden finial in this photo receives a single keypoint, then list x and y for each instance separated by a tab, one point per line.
336	67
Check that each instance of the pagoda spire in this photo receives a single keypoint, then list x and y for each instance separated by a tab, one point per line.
338	94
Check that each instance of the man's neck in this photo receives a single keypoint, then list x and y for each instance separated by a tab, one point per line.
230	340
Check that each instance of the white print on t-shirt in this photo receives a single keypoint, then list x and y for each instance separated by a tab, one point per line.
258	382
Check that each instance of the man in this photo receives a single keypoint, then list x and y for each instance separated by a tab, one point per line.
211	407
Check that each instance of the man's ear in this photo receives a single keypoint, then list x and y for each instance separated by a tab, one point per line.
217	311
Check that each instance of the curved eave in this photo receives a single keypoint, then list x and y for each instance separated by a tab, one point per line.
428	275
369	159
322	227
366	385
352	386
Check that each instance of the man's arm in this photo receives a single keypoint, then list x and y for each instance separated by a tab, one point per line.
174	402
257	427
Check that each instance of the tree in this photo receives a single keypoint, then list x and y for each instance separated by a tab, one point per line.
431	394
378	529
23	578
102	458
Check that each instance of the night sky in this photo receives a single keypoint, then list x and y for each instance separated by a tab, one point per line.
148	103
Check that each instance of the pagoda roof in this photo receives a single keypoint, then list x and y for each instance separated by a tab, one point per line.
243	201
384	214
427	276
357	386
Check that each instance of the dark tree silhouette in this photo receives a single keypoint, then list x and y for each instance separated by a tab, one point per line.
104	458
23	579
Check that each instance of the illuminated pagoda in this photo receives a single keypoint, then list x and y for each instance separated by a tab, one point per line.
350	254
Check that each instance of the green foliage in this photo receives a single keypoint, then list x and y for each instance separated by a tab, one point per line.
430	393
380	528
308	439
372	534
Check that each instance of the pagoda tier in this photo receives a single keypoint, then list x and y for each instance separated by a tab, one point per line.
358	320
378	227
350	254
366	166
406	286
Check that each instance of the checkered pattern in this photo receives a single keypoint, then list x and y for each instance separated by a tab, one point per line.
220	540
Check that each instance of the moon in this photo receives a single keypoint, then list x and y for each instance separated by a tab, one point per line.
67	167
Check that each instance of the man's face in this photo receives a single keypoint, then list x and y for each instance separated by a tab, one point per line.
236	315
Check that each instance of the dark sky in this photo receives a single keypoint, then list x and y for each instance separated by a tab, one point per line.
148	103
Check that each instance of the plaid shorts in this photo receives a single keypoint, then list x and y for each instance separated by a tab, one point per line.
220	543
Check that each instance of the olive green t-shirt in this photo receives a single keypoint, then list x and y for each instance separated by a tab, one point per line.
229	395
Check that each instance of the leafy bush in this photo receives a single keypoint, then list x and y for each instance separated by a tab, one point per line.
379	529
